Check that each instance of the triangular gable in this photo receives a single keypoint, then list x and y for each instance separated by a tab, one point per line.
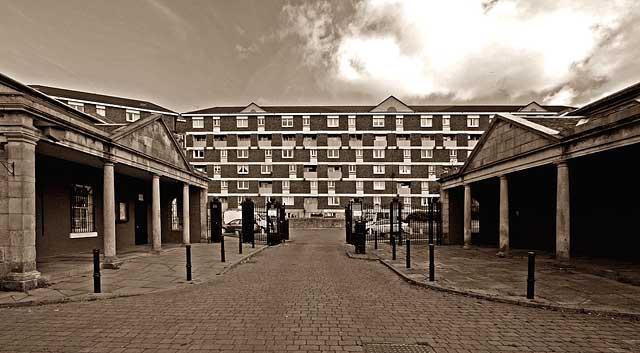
508	136
151	136
532	107
253	108
391	104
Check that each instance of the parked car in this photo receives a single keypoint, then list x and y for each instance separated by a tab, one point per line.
236	225
383	227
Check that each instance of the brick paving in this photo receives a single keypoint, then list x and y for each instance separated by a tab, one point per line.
307	296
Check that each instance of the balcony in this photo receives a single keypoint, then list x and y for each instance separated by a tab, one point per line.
380	143
403	142
199	144
219	143
310	175
264	143
355	143
244	142
264	190
334	142
472	143
288	142
404	190
428	143
308	142
334	174
450	143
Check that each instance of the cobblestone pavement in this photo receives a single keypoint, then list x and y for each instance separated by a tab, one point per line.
307	296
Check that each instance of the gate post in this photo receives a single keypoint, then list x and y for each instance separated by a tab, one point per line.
215	219
430	219
438	220
272	223
347	221
248	220
395	219
284	223
359	240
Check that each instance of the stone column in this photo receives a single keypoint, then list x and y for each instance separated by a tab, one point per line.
204	205
504	216
563	213
467	216
18	208
109	216
185	214
156	228
444	204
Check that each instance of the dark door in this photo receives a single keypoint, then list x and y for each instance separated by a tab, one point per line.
141	223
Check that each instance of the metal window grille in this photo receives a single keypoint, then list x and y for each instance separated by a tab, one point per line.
82	209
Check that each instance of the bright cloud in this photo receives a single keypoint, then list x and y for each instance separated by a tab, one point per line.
471	50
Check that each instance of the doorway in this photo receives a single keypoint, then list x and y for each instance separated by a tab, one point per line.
141	223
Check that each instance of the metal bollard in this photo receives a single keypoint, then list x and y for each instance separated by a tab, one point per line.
531	269
253	241
222	248
239	242
393	247
97	287
188	249
432	265
408	252
375	240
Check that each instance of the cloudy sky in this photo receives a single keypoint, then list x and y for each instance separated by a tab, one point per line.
194	54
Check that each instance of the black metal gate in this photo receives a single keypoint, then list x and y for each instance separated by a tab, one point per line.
421	224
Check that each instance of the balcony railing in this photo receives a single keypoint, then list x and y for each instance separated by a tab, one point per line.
199	144
334	142
310	175
264	143
380	143
428	143
333	174
289	143
218	143
310	142
451	143
404	191
244	143
403	143
355	143
265	190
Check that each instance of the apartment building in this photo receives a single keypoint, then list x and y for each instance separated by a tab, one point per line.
317	158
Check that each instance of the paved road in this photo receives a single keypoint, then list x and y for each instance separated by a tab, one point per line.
307	296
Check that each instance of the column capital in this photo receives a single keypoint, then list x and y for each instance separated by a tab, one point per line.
563	163
503	177
22	135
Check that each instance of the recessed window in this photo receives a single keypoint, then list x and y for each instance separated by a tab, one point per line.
406	201
406	154
378	169
261	121
352	121
292	169
198	153
82	209
101	110
306	120
453	153
424	186
432	170
405	169
77	106
224	184
266	169
358	153
424	201
359	185
268	153
243	169
446	121
243	185
223	154
378	121
331	185
287	121
378	153
333	153
333	121
352	168
473	121
333	201
243	153
285	185
378	185
287	153
399	120
199	138
313	153
313	184
216	122
134	115
426	153
196	123
242	121
426	121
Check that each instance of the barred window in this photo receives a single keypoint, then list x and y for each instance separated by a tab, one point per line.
82	209
176	221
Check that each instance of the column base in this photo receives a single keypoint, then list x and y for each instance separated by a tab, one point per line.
565	264
502	253
466	246
111	262
20	281
156	251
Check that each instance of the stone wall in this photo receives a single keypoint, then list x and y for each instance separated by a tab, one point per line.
316	223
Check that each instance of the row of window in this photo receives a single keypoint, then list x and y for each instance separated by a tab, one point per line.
313	185
101	110
335	200
313	154
334	121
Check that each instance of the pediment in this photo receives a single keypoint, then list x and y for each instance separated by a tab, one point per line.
532	107
253	108
153	139
391	105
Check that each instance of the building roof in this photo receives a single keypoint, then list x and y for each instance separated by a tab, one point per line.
343	109
563	125
100	98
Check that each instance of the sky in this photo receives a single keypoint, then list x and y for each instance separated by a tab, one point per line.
193	54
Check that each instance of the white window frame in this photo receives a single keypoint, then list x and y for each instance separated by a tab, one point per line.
224	184
352	121
333	121
216	121
431	170
406	154
217	169
359	185
268	153
242	169
424	201
331	185
473	120
313	153
293	168
424	186
377	200
333	153
240	200
243	185
199	121
359	153
101	108
404	169
446	121
378	153
426	153
198	154
242	122
378	121
406	201
287	121
399	121
333	201
288	200
134	115
453	153
224	154
286	185
306	120
313	184
426	120
352	169
266	169
378	169
260	120
287	153
379	185
242	153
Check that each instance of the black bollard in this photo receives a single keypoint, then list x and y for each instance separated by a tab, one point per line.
432	265
393	247
253	240
408	252
375	240
222	248
239	242
96	271
531	269
188	249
